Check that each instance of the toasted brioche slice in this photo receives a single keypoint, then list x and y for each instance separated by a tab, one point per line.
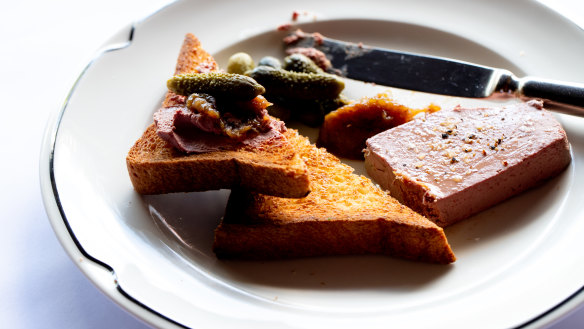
344	214
155	167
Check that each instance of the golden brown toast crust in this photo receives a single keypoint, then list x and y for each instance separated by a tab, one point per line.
155	167
191	58
344	214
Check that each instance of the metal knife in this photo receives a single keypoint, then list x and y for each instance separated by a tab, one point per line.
440	75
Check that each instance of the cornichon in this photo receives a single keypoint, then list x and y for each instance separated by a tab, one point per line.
296	85
309	112
301	63
233	86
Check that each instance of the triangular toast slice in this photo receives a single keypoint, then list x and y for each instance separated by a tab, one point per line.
155	167
344	214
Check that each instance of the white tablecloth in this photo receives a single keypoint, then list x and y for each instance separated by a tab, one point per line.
45	45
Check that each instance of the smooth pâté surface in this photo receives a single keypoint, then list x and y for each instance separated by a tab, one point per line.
457	162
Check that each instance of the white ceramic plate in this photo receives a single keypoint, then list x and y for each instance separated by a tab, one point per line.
519	264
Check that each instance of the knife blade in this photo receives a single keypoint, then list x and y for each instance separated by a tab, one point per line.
438	75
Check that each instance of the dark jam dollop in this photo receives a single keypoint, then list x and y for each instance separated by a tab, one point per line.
345	130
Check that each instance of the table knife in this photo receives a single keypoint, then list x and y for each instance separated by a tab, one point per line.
439	75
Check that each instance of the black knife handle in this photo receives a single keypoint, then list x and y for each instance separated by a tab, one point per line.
566	97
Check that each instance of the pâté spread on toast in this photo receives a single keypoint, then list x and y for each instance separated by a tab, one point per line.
190	147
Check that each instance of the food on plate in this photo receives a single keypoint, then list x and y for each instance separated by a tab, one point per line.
214	131
454	163
203	139
301	63
298	89
317	56
345	130
297	85
240	63
344	214
218	84
270	61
